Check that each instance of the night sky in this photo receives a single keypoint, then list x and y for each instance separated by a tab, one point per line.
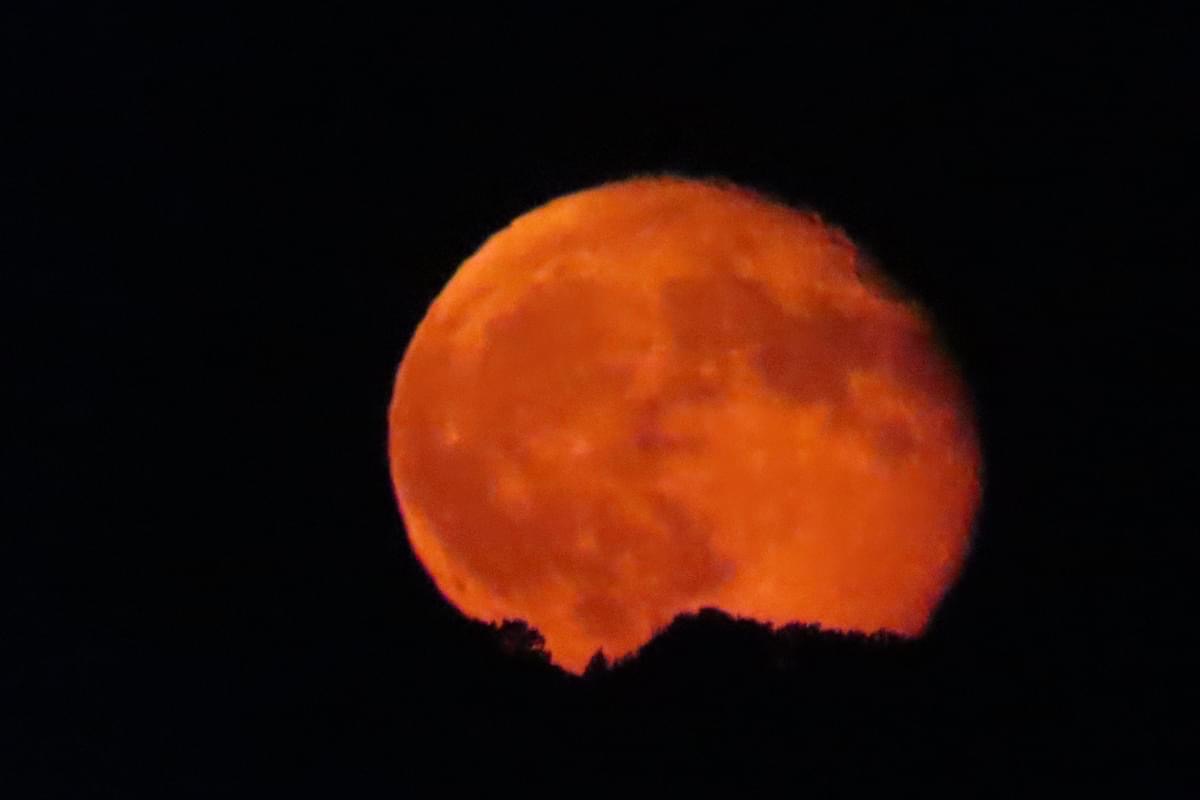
223	228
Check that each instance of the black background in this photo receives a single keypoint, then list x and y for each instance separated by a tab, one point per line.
228	224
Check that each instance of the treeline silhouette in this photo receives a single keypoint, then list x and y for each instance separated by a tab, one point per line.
355	706
327	703
713	696
709	642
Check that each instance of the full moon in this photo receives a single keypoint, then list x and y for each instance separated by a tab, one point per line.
663	394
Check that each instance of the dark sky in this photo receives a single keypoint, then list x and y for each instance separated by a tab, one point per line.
226	226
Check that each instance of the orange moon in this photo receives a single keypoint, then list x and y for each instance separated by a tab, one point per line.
663	394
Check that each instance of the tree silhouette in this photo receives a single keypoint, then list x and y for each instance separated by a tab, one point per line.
517	638
596	667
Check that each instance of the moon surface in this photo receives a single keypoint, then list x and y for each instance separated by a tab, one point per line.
663	394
